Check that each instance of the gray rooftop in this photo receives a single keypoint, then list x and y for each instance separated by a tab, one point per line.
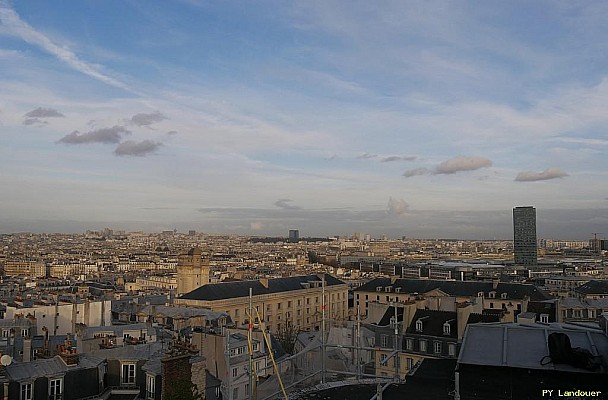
523	346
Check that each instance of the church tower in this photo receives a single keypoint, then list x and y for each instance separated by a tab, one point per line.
192	271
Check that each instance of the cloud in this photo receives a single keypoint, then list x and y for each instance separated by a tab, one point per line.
144	119
461	163
397	158
171	133
396	206
366	156
256	226
284	204
415	172
138	149
103	135
17	27
38	115
531	176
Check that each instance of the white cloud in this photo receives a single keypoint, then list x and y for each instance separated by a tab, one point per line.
396	206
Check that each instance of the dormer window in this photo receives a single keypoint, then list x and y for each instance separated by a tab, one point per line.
378	288
503	295
544	318
419	325
480	294
388	288
492	295
446	328
397	290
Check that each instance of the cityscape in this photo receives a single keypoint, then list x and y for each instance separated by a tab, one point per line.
303	200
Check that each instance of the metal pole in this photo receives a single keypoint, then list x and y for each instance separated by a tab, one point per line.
396	346
250	394
358	342
323	329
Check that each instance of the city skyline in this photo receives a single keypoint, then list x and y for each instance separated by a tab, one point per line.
412	119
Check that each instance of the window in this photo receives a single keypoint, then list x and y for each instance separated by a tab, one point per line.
544	318
235	393
423	345
409	344
409	363
384	340
437	347
235	371
128	374
419	325
503	295
452	349
25	332
27	391
383	359
55	388
446	328
150	387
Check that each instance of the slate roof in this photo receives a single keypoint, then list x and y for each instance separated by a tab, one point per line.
182	312
524	346
432	323
48	367
228	290
593	287
514	291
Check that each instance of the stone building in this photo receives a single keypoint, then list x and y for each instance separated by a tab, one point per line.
192	271
295	300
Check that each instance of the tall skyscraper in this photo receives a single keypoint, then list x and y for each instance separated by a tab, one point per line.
294	235
524	235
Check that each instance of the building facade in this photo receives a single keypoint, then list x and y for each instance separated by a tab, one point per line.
192	271
524	236
296	300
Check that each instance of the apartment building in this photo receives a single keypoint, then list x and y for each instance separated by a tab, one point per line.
296	300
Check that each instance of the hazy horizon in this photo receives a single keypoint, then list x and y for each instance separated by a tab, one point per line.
465	225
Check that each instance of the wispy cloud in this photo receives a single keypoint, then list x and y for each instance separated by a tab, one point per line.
531	176
286	204
366	156
137	149
398	158
144	119
416	172
459	164
103	135
15	26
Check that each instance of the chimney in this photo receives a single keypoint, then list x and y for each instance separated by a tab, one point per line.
27	349
409	309
463	310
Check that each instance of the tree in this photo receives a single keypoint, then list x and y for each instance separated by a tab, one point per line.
287	336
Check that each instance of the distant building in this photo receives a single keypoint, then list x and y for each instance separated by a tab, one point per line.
294	235
296	300
192	271
524	236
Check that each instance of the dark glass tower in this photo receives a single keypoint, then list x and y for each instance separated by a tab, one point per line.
524	236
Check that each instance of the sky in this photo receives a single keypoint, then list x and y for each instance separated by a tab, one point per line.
427	119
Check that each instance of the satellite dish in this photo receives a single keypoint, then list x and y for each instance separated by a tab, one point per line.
6	360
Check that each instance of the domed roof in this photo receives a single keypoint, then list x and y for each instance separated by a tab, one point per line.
195	251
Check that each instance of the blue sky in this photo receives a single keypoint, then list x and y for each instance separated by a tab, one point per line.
419	119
